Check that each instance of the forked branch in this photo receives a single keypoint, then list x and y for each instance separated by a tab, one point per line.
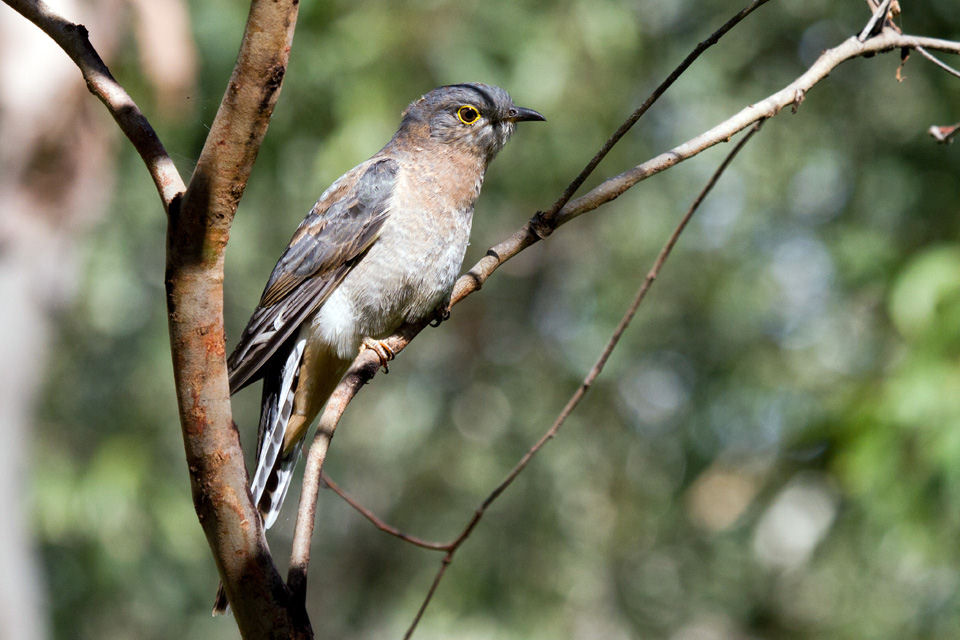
199	219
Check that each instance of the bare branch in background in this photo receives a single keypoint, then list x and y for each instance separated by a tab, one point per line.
876	22
937	61
768	107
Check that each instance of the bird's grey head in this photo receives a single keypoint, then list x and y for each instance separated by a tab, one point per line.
475	117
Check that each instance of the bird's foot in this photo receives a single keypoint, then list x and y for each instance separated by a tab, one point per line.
380	348
441	314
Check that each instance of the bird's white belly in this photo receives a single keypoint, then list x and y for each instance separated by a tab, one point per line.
405	276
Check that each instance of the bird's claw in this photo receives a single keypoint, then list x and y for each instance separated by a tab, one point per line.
385	353
442	314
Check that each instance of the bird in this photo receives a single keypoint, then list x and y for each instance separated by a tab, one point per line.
381	247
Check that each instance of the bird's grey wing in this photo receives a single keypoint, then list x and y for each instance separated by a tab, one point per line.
329	242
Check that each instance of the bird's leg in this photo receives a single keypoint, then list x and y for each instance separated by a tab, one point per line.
380	348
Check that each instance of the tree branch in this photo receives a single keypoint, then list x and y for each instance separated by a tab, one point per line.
766	108
380	524
196	238
366	364
75	41
937	61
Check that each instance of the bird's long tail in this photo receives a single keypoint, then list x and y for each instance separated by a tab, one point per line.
274	465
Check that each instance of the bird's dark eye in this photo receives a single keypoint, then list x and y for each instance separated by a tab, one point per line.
467	114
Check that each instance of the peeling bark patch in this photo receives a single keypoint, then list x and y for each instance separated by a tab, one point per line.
272	85
196	414
214	339
234	502
235	193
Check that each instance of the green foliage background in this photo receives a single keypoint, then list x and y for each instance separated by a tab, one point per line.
804	338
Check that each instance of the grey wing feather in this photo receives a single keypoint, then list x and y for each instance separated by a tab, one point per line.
329	242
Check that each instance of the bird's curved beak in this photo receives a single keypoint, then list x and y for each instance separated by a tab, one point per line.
520	114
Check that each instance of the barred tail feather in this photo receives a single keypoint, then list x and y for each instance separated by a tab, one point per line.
275	413
274	493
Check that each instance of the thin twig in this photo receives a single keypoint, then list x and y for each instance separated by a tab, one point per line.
770	106
937	61
591	376
75	41
546	217
876	22
380	524
447	559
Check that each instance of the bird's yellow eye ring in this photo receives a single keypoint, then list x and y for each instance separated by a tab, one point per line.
467	114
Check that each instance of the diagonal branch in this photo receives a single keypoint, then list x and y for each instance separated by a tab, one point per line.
380	524
937	61
768	107
75	41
